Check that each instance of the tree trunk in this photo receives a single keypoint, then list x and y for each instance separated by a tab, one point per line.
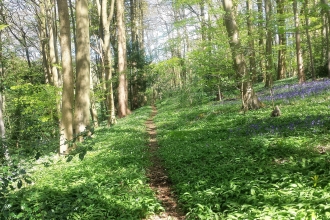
252	54
281	65
73	24
82	100
309	44
106	22
202	20
300	63
249	98
66	124
122	62
106	57
44	45
327	28
93	110
2	122
269	49
52	42
261	32
53	58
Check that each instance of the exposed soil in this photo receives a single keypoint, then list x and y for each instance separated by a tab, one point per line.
159	181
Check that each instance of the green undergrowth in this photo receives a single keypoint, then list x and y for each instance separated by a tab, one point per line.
228	165
105	179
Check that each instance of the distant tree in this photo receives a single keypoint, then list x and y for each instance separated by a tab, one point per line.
82	98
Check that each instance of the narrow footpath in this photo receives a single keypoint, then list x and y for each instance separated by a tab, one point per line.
159	181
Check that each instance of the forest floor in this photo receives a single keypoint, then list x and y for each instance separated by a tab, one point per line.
158	178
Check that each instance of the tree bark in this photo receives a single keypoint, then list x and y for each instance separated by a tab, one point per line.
327	28
106	18
249	98
73	24
82	100
2	122
269	49
123	109
281	65
44	45
309	44
299	55
261	37
52	42
252	54
66	124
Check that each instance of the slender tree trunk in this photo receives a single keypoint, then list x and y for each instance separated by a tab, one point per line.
269	49
66	125
202	19
300	64
73	24
44	45
327	28
93	110
281	65
249	98
105	22
252	54
122	62
26	48
53	57
309	43
52	42
261	32
82	100
2	121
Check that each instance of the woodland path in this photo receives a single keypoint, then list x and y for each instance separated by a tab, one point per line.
158	178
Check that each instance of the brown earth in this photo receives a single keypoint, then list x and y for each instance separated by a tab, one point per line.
159	181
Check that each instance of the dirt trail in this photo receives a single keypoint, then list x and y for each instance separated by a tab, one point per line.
159	181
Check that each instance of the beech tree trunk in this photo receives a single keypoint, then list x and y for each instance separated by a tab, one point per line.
249	98
123	109
105	22
299	55
252	54
44	45
281	65
327	28
309	43
261	32
82	100
66	124
269	49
